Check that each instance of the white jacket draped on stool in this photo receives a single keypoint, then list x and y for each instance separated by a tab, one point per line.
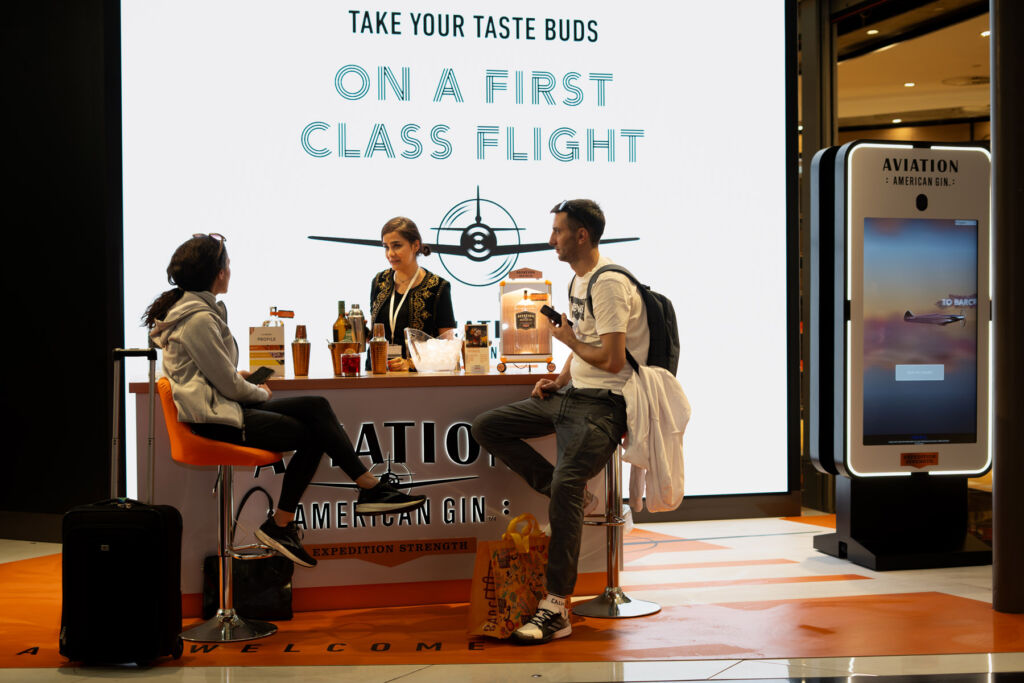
657	411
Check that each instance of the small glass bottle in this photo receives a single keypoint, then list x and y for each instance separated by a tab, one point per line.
273	320
378	351
340	325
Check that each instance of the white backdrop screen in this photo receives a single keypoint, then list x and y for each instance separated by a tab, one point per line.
269	122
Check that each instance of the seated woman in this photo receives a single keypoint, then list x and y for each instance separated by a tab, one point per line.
407	295
200	357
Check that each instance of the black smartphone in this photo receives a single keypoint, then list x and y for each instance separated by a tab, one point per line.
554	316
260	375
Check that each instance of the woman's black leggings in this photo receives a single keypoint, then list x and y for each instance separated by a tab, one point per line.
305	424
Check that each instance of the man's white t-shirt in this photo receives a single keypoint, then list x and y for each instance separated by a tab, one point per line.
618	307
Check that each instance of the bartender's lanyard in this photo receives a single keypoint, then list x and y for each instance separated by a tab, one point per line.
392	311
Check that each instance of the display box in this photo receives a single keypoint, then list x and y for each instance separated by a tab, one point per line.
525	331
266	349
476	350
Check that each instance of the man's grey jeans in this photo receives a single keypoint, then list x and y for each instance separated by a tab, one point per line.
588	424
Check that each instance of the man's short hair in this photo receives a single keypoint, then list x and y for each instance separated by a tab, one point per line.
583	213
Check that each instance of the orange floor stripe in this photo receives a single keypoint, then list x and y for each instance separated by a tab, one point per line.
677	545
745	582
828	521
708	565
641	543
637	533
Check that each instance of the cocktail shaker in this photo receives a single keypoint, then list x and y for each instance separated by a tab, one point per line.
300	352
358	323
378	351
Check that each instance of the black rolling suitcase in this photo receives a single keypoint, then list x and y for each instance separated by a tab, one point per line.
122	568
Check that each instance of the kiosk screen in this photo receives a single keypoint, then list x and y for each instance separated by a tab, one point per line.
920	330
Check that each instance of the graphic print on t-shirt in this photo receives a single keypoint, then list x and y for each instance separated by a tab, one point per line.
576	308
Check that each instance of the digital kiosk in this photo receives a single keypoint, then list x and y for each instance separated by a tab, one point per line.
900	358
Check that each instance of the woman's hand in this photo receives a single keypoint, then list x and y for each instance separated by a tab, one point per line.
245	373
398	364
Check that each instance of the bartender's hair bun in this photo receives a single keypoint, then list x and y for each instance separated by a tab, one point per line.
408	230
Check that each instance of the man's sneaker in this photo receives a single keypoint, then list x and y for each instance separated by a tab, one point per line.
590	503
285	540
384	498
546	624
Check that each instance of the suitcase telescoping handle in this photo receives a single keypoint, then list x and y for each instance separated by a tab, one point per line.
119	355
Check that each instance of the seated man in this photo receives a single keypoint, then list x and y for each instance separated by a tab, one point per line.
583	407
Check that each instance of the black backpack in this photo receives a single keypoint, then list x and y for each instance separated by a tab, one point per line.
661	322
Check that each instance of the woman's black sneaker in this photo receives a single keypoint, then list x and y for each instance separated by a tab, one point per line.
384	498
285	540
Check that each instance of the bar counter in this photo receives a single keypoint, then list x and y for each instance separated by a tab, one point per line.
395	380
417	425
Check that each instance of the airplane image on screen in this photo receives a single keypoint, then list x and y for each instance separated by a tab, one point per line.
477	241
934	318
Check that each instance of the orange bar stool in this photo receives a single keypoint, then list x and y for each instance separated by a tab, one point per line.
613	603
188	448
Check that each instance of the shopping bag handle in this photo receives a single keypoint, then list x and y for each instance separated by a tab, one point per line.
521	537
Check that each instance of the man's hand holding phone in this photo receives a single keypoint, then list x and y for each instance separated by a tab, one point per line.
561	327
556	318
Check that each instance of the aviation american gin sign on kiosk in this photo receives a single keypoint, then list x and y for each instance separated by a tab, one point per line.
917	283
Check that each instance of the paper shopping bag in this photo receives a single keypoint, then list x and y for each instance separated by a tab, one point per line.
508	579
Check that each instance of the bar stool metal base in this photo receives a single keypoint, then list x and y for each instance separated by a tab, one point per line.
228	627
614	604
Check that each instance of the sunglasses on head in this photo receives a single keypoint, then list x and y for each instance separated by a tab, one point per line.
567	207
214	235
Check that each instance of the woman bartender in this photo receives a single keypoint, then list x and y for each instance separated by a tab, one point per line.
407	295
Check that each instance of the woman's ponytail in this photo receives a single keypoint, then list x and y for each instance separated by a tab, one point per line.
163	303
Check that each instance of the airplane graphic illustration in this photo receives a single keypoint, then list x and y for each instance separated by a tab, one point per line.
934	318
395	480
477	241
